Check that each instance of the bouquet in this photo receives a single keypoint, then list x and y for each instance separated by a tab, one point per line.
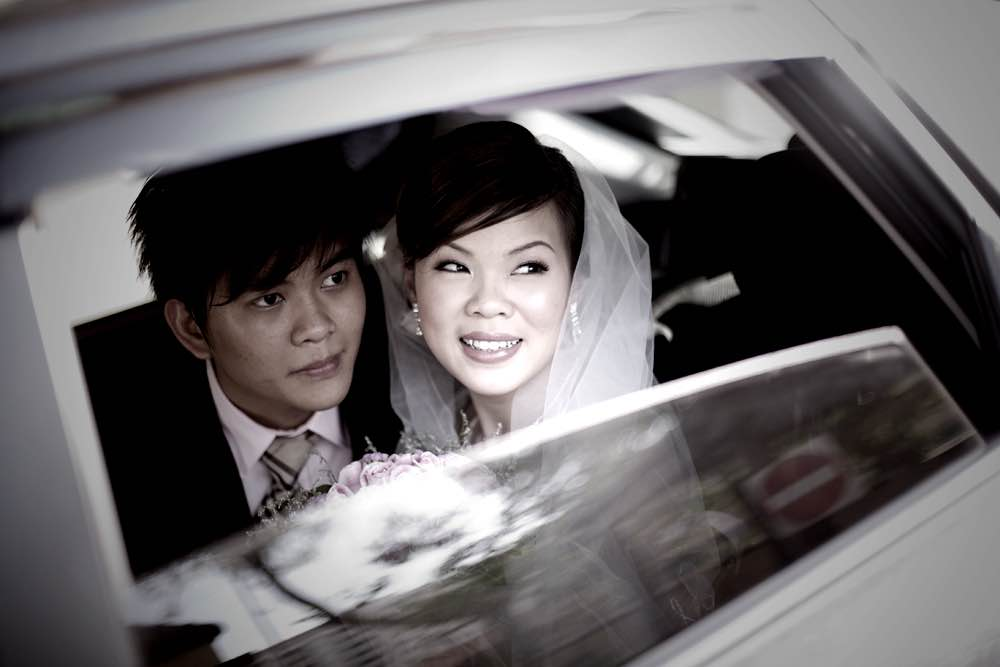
389	526
417	452
376	469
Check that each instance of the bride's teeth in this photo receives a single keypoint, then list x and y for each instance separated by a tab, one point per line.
490	345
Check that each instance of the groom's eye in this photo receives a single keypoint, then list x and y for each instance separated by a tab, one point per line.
334	279
450	267
268	300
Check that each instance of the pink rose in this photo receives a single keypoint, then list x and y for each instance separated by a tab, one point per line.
401	468
375	473
350	476
401	459
340	490
427	461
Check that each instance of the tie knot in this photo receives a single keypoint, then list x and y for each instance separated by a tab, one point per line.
285	458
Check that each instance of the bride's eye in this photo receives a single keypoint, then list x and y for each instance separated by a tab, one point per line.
451	267
269	300
530	267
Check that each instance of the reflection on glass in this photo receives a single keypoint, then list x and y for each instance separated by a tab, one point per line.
581	540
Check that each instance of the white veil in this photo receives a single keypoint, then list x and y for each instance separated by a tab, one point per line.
605	346
423	394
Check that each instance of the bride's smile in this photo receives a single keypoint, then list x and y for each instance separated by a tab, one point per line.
490	348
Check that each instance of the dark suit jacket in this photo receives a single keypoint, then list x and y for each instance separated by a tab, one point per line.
175	483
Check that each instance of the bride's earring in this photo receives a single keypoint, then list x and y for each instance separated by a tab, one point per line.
416	314
575	322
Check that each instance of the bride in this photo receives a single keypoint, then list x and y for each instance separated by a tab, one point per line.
514	288
515	291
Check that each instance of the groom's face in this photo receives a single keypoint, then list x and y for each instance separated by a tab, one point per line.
283	353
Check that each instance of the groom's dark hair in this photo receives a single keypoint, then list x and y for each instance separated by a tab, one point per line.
484	173
211	233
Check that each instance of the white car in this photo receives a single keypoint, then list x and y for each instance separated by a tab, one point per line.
823	226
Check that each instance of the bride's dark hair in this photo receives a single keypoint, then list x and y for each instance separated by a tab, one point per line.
478	175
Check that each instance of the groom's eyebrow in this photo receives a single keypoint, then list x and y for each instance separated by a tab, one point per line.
338	257
264	282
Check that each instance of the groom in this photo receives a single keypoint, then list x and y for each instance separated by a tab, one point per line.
252	375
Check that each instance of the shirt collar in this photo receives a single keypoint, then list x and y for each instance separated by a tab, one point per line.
251	439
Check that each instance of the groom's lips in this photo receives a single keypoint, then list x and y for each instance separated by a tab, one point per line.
489	347
321	369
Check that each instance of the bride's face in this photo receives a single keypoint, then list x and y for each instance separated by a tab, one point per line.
491	302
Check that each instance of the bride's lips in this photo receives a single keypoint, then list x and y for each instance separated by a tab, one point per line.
320	369
489	347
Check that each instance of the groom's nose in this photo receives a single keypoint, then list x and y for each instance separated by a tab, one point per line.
489	298
312	322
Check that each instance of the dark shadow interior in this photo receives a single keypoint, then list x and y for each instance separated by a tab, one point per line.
810	263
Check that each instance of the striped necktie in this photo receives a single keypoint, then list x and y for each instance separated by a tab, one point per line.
285	458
